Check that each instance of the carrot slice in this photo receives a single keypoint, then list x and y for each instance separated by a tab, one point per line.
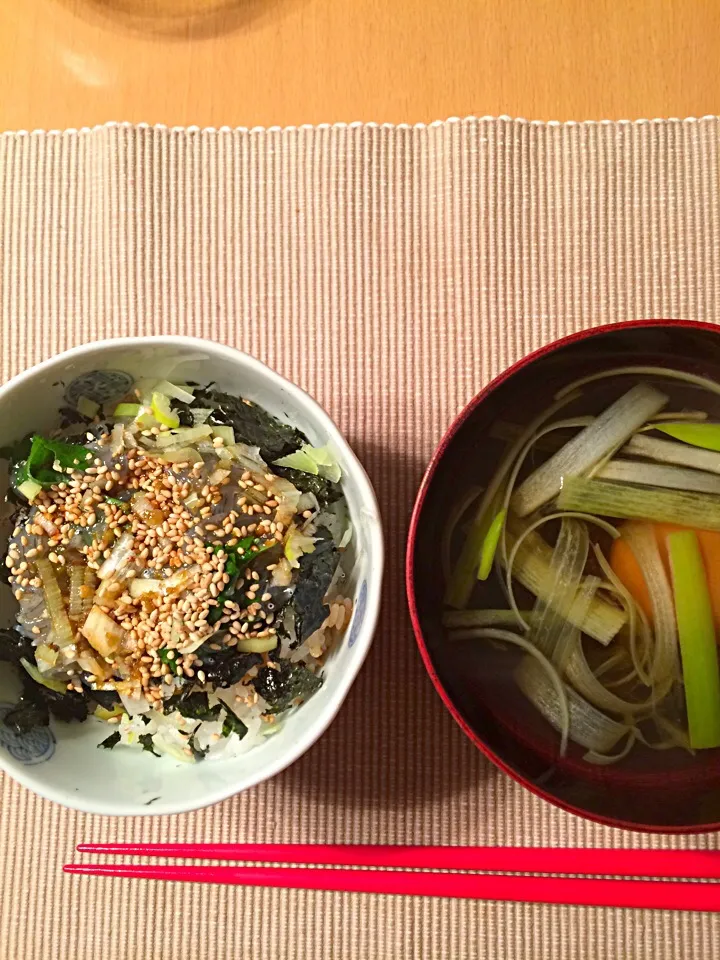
624	564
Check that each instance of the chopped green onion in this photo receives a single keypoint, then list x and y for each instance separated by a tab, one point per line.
314	460
631	502
257	644
705	435
162	411
127	410
300	460
57	685
589	447
489	546
698	649
77	582
179	455
200	415
88	408
226	434
174	391
30	489
183	435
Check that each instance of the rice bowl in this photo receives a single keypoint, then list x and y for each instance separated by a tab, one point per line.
193	569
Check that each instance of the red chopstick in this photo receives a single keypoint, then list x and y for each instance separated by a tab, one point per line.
695	864
646	894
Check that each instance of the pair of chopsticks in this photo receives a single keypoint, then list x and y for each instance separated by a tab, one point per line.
662	891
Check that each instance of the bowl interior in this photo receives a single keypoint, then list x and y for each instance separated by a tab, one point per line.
63	763
475	679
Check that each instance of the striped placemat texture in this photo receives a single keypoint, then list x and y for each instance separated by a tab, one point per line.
391	271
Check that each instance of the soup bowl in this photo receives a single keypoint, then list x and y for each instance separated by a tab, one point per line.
662	791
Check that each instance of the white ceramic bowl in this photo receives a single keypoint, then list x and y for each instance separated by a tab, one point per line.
63	763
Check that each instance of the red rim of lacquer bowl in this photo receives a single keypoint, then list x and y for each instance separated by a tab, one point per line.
428	477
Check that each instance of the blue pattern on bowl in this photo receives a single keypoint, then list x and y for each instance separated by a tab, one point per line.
37	746
359	613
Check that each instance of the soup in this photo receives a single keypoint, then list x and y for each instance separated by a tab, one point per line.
587	565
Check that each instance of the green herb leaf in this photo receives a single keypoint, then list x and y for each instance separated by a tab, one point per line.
170	661
237	560
109	742
123	504
40	462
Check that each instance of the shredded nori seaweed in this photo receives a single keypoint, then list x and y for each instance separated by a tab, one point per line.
252	425
325	490
227	666
315	576
109	742
14	646
291	683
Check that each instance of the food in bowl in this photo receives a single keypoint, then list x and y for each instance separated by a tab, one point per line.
591	558
177	560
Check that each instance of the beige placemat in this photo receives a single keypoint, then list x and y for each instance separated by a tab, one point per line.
392	271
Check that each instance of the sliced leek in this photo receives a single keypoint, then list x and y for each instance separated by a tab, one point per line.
29	489
579	673
463	577
660	475
668	451
162	411
546	670
77	582
567	564
587	725
532	567
602	437
257	644
632	502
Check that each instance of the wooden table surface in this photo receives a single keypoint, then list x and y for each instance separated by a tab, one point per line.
246	62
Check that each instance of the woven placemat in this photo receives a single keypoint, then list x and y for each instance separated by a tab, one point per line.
391	271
